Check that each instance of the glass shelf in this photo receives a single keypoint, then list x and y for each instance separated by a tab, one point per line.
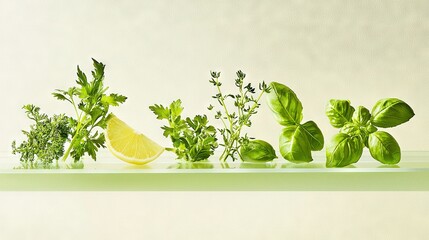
165	173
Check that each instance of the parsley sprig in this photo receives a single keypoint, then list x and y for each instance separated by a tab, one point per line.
91	105
245	105
193	139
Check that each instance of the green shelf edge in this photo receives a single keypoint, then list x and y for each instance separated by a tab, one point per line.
256	181
412	174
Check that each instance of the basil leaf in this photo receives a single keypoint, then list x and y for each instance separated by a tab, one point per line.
314	135
390	112
339	112
294	145
371	129
343	150
384	148
351	129
361	116
257	151
285	105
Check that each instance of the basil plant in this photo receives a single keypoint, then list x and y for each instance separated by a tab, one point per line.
358	129
297	140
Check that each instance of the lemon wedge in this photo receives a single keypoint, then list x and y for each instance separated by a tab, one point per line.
128	145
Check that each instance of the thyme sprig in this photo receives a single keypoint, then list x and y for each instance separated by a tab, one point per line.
246	104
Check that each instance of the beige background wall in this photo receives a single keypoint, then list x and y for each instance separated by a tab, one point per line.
157	51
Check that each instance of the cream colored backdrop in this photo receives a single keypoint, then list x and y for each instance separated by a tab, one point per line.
158	51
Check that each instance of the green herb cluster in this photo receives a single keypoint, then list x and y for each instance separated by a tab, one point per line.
193	139
91	105
296	140
47	137
359	129
245	105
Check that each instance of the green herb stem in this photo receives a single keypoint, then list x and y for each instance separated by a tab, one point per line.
72	141
232	134
221	99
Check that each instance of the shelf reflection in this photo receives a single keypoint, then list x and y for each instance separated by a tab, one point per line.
191	165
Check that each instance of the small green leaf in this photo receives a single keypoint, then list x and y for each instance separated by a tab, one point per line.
370	128
361	116
73	91
95	114
113	99
82	80
118	98
99	141
191	123
257	151
339	112
167	131
351	129
384	148
91	149
160	111
294	144
390	112
60	96
314	135
84	93
285	105
343	150
98	72
176	108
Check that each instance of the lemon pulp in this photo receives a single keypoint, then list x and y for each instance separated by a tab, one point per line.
128	145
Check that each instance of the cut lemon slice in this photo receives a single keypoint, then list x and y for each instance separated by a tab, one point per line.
128	145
